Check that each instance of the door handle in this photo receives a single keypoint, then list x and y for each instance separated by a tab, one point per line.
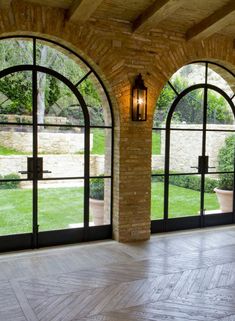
24	172
30	171
40	170
202	165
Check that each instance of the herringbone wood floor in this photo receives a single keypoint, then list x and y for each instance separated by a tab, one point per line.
179	276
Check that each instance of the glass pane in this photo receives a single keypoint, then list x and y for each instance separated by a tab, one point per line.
16	98
60	204
220	147
158	151
15	148
96	101
189	111
211	204
57	104
15	52
188	75
220	78
157	201
185	147
100	201
60	60
164	103
101	151
184	195
219	113
62	149
15	208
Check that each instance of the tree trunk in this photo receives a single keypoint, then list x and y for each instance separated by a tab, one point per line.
41	87
41	97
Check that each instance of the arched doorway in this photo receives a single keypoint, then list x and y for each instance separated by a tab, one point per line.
195	135
56	146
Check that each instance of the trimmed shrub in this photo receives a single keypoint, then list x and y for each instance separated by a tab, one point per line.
187	181
10	184
226	163
97	188
210	184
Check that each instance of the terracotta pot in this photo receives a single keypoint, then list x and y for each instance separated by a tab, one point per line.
225	199
97	211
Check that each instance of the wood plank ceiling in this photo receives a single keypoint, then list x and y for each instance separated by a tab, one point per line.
196	19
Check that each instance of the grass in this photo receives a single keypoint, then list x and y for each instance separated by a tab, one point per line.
59	207
6	151
182	201
98	141
156	143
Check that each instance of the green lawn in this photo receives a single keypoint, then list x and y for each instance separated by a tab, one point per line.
182	201
59	207
4	151
98	141
156	143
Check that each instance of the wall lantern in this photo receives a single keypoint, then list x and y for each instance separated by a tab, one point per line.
139	100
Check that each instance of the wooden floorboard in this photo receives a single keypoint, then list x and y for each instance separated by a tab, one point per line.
187	276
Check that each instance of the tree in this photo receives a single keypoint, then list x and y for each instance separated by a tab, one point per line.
163	104
18	86
190	107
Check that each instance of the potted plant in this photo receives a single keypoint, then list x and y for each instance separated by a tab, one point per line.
224	191
97	200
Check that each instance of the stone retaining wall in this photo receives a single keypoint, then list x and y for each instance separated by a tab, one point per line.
48	142
59	165
28	119
186	146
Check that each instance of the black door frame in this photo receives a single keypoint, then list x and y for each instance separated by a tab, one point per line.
73	235
171	224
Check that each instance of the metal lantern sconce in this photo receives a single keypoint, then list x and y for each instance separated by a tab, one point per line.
139	100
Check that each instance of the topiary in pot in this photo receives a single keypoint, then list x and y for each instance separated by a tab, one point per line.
97	188
97	200
224	191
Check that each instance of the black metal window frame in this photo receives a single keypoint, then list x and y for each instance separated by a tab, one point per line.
73	235
201	220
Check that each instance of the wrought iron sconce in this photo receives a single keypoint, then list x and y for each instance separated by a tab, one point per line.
139	100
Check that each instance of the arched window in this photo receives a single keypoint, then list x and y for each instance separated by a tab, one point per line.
56	142
193	148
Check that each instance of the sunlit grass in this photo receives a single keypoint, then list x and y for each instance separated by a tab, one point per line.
60	207
182	201
57	207
156	143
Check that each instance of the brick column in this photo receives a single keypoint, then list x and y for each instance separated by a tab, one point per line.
132	184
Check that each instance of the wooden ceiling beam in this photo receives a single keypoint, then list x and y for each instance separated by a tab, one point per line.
5	4
212	24
81	10
158	11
